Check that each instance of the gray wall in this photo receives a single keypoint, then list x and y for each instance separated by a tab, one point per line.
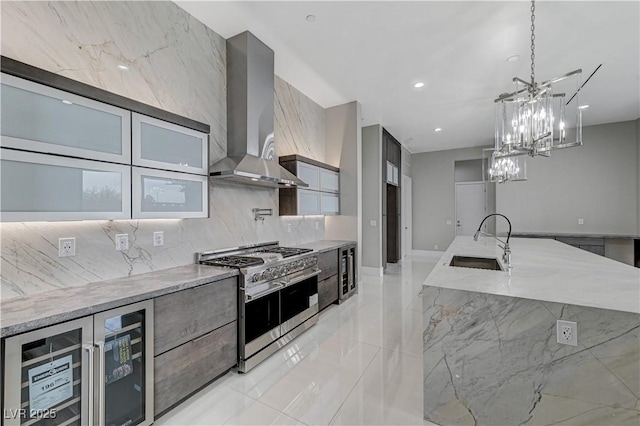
597	182
434	196
468	170
638	173
343	149
372	196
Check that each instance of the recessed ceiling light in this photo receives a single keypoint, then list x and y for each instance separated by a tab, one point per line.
123	67
311	18
418	84
437	129
583	107
513	58
67	102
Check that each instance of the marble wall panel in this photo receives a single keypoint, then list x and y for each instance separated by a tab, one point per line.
177	64
494	360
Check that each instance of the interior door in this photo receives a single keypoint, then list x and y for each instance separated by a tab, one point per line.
471	206
407	242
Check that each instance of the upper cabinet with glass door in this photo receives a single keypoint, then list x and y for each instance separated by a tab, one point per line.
162	145
47	120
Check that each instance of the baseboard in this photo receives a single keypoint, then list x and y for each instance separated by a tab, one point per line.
371	271
429	253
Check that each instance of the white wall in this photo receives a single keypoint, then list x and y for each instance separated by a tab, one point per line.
597	182
372	196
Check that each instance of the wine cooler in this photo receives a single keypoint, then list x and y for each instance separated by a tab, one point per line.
96	370
348	274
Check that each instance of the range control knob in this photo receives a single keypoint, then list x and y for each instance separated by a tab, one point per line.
266	275
255	278
282	270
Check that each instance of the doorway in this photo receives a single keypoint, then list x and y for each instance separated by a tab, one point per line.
393	224
471	207
407	228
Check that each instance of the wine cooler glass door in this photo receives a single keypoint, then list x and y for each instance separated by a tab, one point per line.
124	345
48	378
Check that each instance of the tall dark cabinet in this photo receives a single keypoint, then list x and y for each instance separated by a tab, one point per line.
391	202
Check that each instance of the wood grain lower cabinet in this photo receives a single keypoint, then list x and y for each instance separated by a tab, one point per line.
185	369
327	292
188	314
196	339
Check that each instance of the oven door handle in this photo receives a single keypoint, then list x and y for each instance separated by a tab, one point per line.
252	297
302	278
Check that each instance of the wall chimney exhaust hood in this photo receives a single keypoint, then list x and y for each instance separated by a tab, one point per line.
250	143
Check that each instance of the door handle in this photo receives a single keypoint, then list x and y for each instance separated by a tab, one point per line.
101	385
90	367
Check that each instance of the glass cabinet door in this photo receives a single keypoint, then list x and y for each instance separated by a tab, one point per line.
124	342
329	181
48	378
48	187
39	118
159	194
164	145
309	174
308	202
330	203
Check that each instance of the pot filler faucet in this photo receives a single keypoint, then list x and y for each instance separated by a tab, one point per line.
506	256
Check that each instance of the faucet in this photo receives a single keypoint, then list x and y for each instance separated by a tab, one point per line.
261	213
506	255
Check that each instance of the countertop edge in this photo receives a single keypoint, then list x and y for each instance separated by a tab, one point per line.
19	326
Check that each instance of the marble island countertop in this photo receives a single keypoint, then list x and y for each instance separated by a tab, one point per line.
544	270
38	310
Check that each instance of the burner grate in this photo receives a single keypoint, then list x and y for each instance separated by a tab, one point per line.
234	261
285	251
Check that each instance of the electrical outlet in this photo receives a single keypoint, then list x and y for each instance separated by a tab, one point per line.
580	221
66	247
288	227
567	332
317	226
158	238
122	242
435	247
373	223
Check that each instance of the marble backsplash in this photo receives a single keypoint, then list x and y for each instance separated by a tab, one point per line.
177	64
494	360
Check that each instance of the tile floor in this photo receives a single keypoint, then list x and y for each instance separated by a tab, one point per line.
361	364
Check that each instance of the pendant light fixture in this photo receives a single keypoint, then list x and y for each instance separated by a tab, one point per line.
532	119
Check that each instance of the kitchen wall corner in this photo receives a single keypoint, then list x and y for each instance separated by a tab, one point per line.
177	64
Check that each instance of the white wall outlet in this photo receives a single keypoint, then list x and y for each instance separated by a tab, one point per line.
580	221
66	247
122	242
317	225
373	223
288	227
448	222
158	238
567	332
435	247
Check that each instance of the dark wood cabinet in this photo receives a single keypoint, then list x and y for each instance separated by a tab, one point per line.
328	279
321	197
195	339
391	202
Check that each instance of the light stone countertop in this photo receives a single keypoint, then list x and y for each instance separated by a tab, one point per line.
545	270
38	310
326	245
574	235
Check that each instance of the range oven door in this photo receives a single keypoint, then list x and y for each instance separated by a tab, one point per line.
259	319
299	300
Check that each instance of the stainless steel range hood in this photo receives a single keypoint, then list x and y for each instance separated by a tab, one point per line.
250	145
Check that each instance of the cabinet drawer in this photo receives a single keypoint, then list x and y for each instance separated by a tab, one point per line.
328	264
187	368
327	292
185	315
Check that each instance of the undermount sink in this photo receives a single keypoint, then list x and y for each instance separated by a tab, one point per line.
476	262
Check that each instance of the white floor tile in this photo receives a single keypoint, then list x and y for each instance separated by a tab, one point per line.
361	364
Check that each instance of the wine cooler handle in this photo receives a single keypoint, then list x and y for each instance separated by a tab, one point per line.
101	384
90	361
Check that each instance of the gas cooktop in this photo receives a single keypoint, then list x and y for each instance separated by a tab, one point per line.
242	257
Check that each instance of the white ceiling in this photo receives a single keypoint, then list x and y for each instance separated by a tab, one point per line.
373	51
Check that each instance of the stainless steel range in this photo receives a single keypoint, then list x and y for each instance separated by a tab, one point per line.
278	296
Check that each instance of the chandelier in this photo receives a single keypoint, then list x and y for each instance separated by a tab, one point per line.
531	120
503	169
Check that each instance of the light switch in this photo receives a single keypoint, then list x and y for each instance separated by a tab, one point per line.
580	221
372	223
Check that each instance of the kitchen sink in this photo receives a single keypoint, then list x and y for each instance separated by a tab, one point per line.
476	262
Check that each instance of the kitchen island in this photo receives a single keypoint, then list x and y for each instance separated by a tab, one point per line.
490	349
